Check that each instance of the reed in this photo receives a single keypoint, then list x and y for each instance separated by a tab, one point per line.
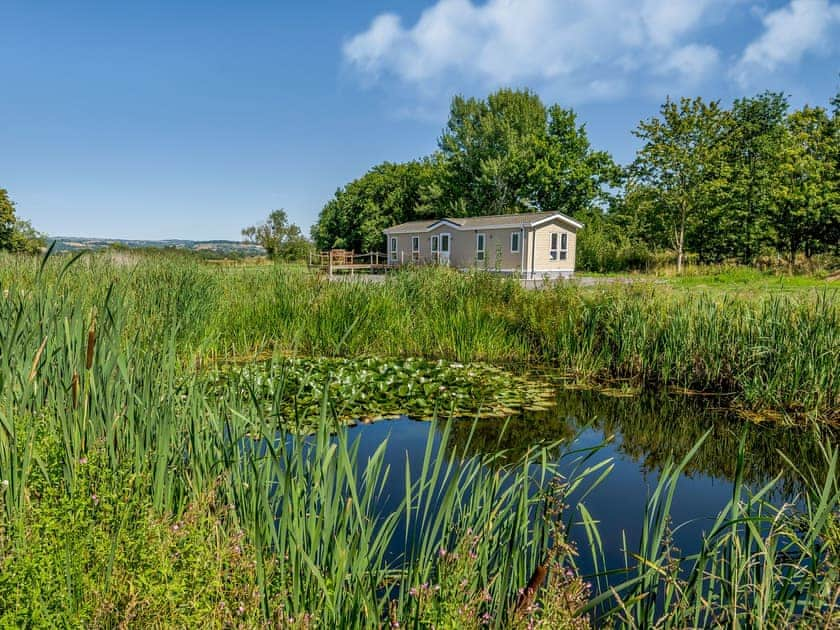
136	491
775	353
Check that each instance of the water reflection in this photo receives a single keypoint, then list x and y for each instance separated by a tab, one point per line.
653	429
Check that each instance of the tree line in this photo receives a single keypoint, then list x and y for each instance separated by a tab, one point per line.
16	235
708	182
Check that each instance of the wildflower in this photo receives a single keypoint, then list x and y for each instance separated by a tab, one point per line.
83	460
175	527
442	552
412	592
4	483
95	499
241	609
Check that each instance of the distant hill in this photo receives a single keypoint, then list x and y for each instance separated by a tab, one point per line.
220	248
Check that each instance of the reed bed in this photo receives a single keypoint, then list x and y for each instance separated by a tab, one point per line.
776	354
132	492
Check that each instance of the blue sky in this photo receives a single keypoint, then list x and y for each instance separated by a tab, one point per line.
180	119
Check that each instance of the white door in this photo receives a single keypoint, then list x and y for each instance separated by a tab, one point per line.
445	243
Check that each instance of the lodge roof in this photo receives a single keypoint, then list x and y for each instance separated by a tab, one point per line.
495	221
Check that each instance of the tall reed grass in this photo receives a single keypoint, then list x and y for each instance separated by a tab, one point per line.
133	493
775	353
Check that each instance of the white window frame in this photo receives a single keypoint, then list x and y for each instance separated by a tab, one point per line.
518	247
434	246
393	251
553	241
415	248
480	252
448	247
564	245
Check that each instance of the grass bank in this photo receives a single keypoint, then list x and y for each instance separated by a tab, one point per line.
772	352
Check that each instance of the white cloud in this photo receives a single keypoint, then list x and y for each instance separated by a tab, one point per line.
693	62
791	32
588	49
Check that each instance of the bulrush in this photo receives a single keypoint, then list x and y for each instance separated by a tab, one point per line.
34	371
91	343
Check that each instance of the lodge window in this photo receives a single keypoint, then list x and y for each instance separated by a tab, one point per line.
415	248
555	252
479	247
393	249
514	242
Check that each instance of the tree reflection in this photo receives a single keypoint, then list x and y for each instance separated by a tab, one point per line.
654	429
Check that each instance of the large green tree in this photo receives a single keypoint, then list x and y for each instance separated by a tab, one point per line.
509	153
756	129
806	199
677	172
281	239
387	194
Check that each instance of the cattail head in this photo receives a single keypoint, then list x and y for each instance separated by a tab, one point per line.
74	388
91	344
34	371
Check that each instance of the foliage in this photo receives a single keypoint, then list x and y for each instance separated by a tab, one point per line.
16	235
737	183
674	175
134	490
773	349
742	221
506	154
806	190
605	246
387	194
280	239
509	153
365	387
748	183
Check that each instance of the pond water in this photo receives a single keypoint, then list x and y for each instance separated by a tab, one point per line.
642	434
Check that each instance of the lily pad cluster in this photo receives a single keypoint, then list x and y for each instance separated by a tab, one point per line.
367	389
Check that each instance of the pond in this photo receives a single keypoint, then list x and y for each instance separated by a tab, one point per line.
507	412
640	434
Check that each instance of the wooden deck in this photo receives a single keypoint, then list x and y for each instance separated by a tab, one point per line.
343	260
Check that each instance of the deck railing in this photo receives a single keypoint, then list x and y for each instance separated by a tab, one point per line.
336	260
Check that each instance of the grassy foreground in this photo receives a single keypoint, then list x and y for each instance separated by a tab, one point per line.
134	492
772	352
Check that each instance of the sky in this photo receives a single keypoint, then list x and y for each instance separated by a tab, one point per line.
193	119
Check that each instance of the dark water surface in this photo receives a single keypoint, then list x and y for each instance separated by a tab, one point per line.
642	435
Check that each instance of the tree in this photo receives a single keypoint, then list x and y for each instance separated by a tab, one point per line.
280	239
805	192
753	144
387	194
7	220
16	235
509	154
677	173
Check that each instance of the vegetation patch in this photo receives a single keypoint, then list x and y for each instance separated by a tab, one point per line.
368	389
